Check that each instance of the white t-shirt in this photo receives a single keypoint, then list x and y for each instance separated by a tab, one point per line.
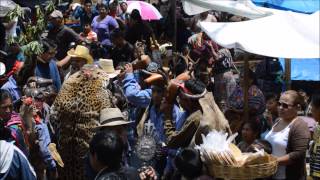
279	142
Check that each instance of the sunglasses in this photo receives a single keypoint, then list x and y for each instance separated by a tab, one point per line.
284	105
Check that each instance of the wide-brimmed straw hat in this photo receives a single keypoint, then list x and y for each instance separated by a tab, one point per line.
56	14
81	52
111	117
107	66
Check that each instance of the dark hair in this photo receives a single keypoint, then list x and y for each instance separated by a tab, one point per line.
4	94
5	133
99	6
260	144
135	15
48	44
108	147
87	1
254	126
270	96
188	162
315	101
117	33
195	86
87	24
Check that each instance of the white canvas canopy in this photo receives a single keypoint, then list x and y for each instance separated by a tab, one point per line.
284	34
243	8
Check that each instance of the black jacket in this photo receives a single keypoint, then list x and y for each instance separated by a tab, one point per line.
124	173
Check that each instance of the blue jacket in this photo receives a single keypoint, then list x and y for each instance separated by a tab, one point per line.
14	164
12	87
134	93
44	141
49	71
157	118
79	12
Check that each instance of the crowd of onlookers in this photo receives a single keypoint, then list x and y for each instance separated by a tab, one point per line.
140	61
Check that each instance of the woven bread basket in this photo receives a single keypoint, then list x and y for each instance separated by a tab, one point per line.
245	172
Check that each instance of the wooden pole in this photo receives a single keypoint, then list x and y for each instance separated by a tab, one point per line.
287	71
246	87
174	16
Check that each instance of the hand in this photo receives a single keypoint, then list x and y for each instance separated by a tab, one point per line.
208	43
148	173
26	100
161	152
128	68
154	44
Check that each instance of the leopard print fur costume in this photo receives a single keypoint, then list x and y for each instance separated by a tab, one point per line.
75	113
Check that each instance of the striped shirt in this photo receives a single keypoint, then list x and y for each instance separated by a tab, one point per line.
315	154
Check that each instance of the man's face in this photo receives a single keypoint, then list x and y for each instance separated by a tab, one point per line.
123	7
121	130
87	7
77	63
47	56
6	108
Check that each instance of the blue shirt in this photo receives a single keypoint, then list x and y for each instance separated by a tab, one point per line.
134	93
49	71
157	118
14	90
44	141
21	57
182	118
85	18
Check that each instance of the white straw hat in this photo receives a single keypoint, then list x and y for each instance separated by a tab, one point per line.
107	66
111	117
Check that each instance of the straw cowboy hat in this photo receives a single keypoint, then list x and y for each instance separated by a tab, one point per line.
81	52
111	117
107	66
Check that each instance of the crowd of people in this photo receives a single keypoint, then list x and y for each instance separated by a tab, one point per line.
156	100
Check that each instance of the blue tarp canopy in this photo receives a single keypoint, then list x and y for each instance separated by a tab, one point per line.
302	6
304	69
301	69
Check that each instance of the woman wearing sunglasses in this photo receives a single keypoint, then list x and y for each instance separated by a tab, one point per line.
289	138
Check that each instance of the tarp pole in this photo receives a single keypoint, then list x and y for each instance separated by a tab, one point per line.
287	72
246	87
174	7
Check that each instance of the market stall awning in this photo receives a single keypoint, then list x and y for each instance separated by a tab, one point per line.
304	69
301	6
243	8
284	34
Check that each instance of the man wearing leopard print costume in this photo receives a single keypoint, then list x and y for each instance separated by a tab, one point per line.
75	113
